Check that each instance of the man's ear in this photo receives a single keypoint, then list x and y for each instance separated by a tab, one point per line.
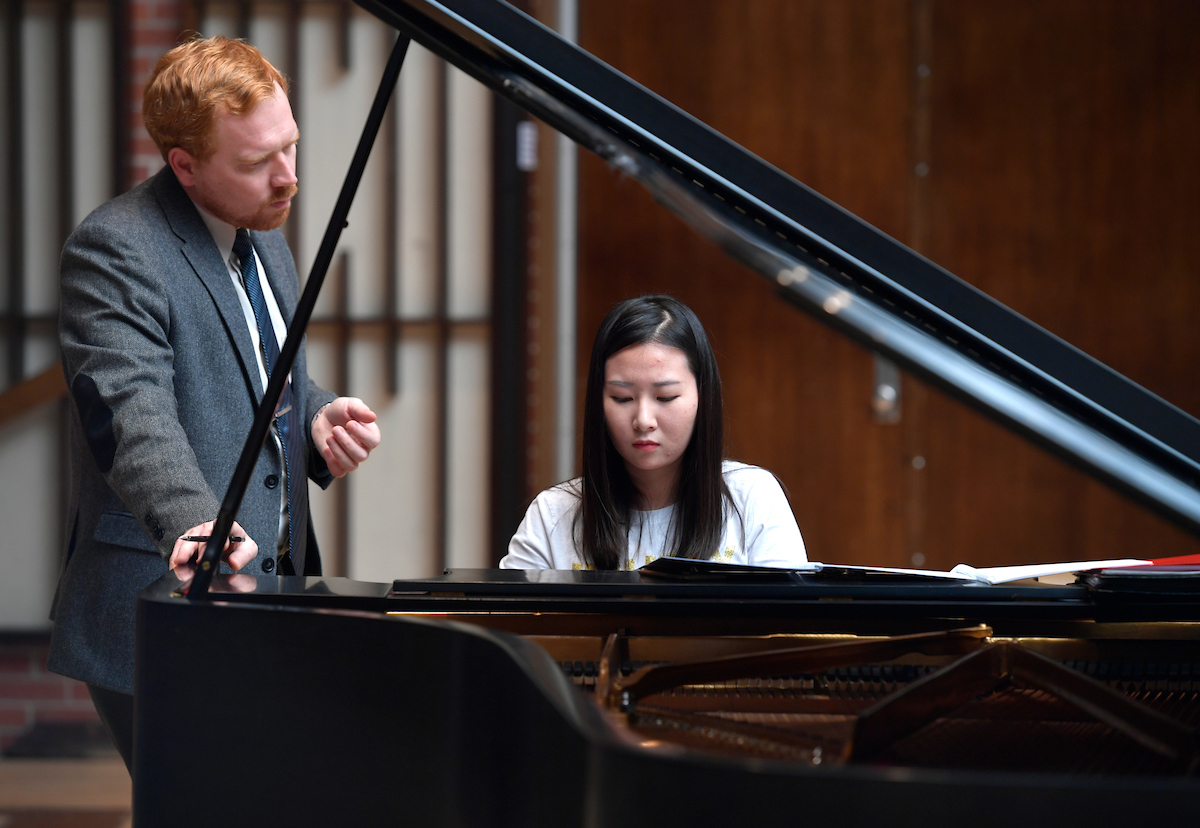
183	163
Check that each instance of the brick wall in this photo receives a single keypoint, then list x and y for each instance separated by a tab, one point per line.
154	27
30	695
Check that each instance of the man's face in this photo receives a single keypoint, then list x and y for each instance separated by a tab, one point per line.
250	179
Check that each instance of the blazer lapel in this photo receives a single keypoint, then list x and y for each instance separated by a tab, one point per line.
200	252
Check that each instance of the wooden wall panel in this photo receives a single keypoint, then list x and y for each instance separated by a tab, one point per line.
819	89
1064	182
1055	183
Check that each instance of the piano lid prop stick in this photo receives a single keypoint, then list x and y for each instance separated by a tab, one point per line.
198	588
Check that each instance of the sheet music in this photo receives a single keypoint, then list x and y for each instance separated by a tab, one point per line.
961	572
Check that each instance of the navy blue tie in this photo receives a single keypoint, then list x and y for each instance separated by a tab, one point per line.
287	419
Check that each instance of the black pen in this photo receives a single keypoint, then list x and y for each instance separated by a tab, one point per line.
203	538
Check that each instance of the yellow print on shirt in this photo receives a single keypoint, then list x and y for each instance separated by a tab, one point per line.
725	557
579	567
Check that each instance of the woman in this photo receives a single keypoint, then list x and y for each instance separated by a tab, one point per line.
654	481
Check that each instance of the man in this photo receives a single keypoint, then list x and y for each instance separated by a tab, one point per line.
175	301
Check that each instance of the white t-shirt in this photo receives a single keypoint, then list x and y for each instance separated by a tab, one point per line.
765	534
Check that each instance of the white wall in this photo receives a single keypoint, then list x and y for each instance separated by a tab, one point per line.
30	530
31	465
392	516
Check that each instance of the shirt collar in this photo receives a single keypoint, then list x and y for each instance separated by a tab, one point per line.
223	234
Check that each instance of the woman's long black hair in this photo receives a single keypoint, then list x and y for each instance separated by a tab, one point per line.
608	493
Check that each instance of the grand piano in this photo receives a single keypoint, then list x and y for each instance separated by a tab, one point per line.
697	694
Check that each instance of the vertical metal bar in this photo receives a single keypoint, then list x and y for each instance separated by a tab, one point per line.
245	16
507	472
291	62
66	214
119	34
441	321
344	46
343	327
66	120
15	333
341	494
566	188
192	17
392	275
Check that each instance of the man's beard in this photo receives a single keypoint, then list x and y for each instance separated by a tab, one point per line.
265	218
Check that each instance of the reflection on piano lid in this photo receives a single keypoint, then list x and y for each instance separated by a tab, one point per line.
826	260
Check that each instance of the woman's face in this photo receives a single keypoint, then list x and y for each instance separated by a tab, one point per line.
650	401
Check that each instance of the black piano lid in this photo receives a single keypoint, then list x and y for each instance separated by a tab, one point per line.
826	260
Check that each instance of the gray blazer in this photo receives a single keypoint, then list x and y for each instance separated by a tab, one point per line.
163	382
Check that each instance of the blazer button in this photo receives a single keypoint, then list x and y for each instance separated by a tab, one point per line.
153	524
269	565
272	481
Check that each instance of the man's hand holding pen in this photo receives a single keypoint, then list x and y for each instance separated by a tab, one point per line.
239	549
